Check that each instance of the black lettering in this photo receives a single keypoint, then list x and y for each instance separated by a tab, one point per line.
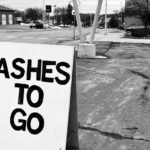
31	69
21	87
41	95
19	68
41	123
67	75
5	68
23	122
46	70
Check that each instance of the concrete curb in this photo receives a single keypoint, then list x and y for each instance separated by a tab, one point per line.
118	38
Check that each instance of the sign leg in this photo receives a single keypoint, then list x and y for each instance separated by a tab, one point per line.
72	137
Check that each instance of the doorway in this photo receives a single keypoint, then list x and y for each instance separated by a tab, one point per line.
3	19
10	18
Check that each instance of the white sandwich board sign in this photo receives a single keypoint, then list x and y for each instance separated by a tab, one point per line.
35	93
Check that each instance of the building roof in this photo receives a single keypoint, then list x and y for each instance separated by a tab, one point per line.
3	8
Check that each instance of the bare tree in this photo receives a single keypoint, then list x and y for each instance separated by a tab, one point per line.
33	14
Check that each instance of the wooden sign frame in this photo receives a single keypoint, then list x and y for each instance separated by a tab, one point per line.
72	137
27	109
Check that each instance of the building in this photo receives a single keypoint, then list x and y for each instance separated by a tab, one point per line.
6	16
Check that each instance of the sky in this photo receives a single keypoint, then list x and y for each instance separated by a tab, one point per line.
86	6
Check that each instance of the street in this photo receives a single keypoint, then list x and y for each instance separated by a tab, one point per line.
36	36
44	36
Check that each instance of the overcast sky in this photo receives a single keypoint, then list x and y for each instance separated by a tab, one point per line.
85	6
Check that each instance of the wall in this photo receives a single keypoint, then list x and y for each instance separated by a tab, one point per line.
7	16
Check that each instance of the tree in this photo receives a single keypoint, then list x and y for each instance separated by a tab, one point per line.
113	23
69	16
63	15
18	13
21	14
87	19
33	14
56	14
139	8
122	12
60	15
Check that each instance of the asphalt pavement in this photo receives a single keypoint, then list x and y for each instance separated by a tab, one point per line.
37	36
24	34
114	99
113	94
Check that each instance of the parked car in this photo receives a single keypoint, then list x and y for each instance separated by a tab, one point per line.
37	25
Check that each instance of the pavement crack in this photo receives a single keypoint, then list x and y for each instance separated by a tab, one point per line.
133	128
113	135
110	46
140	74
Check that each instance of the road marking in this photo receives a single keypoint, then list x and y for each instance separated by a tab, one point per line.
61	38
42	38
27	37
22	34
10	36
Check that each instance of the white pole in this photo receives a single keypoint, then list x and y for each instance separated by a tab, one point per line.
78	20
95	21
54	14
74	30
105	15
43	12
90	19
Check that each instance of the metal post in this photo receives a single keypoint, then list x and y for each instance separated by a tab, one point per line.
91	19
74	31
48	19
105	15
78	20
43	12
95	21
54	14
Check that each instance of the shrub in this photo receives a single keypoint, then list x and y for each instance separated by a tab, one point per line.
139	32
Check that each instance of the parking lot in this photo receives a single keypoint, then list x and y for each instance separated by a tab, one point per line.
113	94
24	34
114	98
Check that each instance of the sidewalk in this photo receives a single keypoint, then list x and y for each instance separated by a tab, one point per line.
116	36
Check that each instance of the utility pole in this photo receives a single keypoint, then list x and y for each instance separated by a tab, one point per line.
74	31
48	19
54	14
43	12
105	15
91	18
